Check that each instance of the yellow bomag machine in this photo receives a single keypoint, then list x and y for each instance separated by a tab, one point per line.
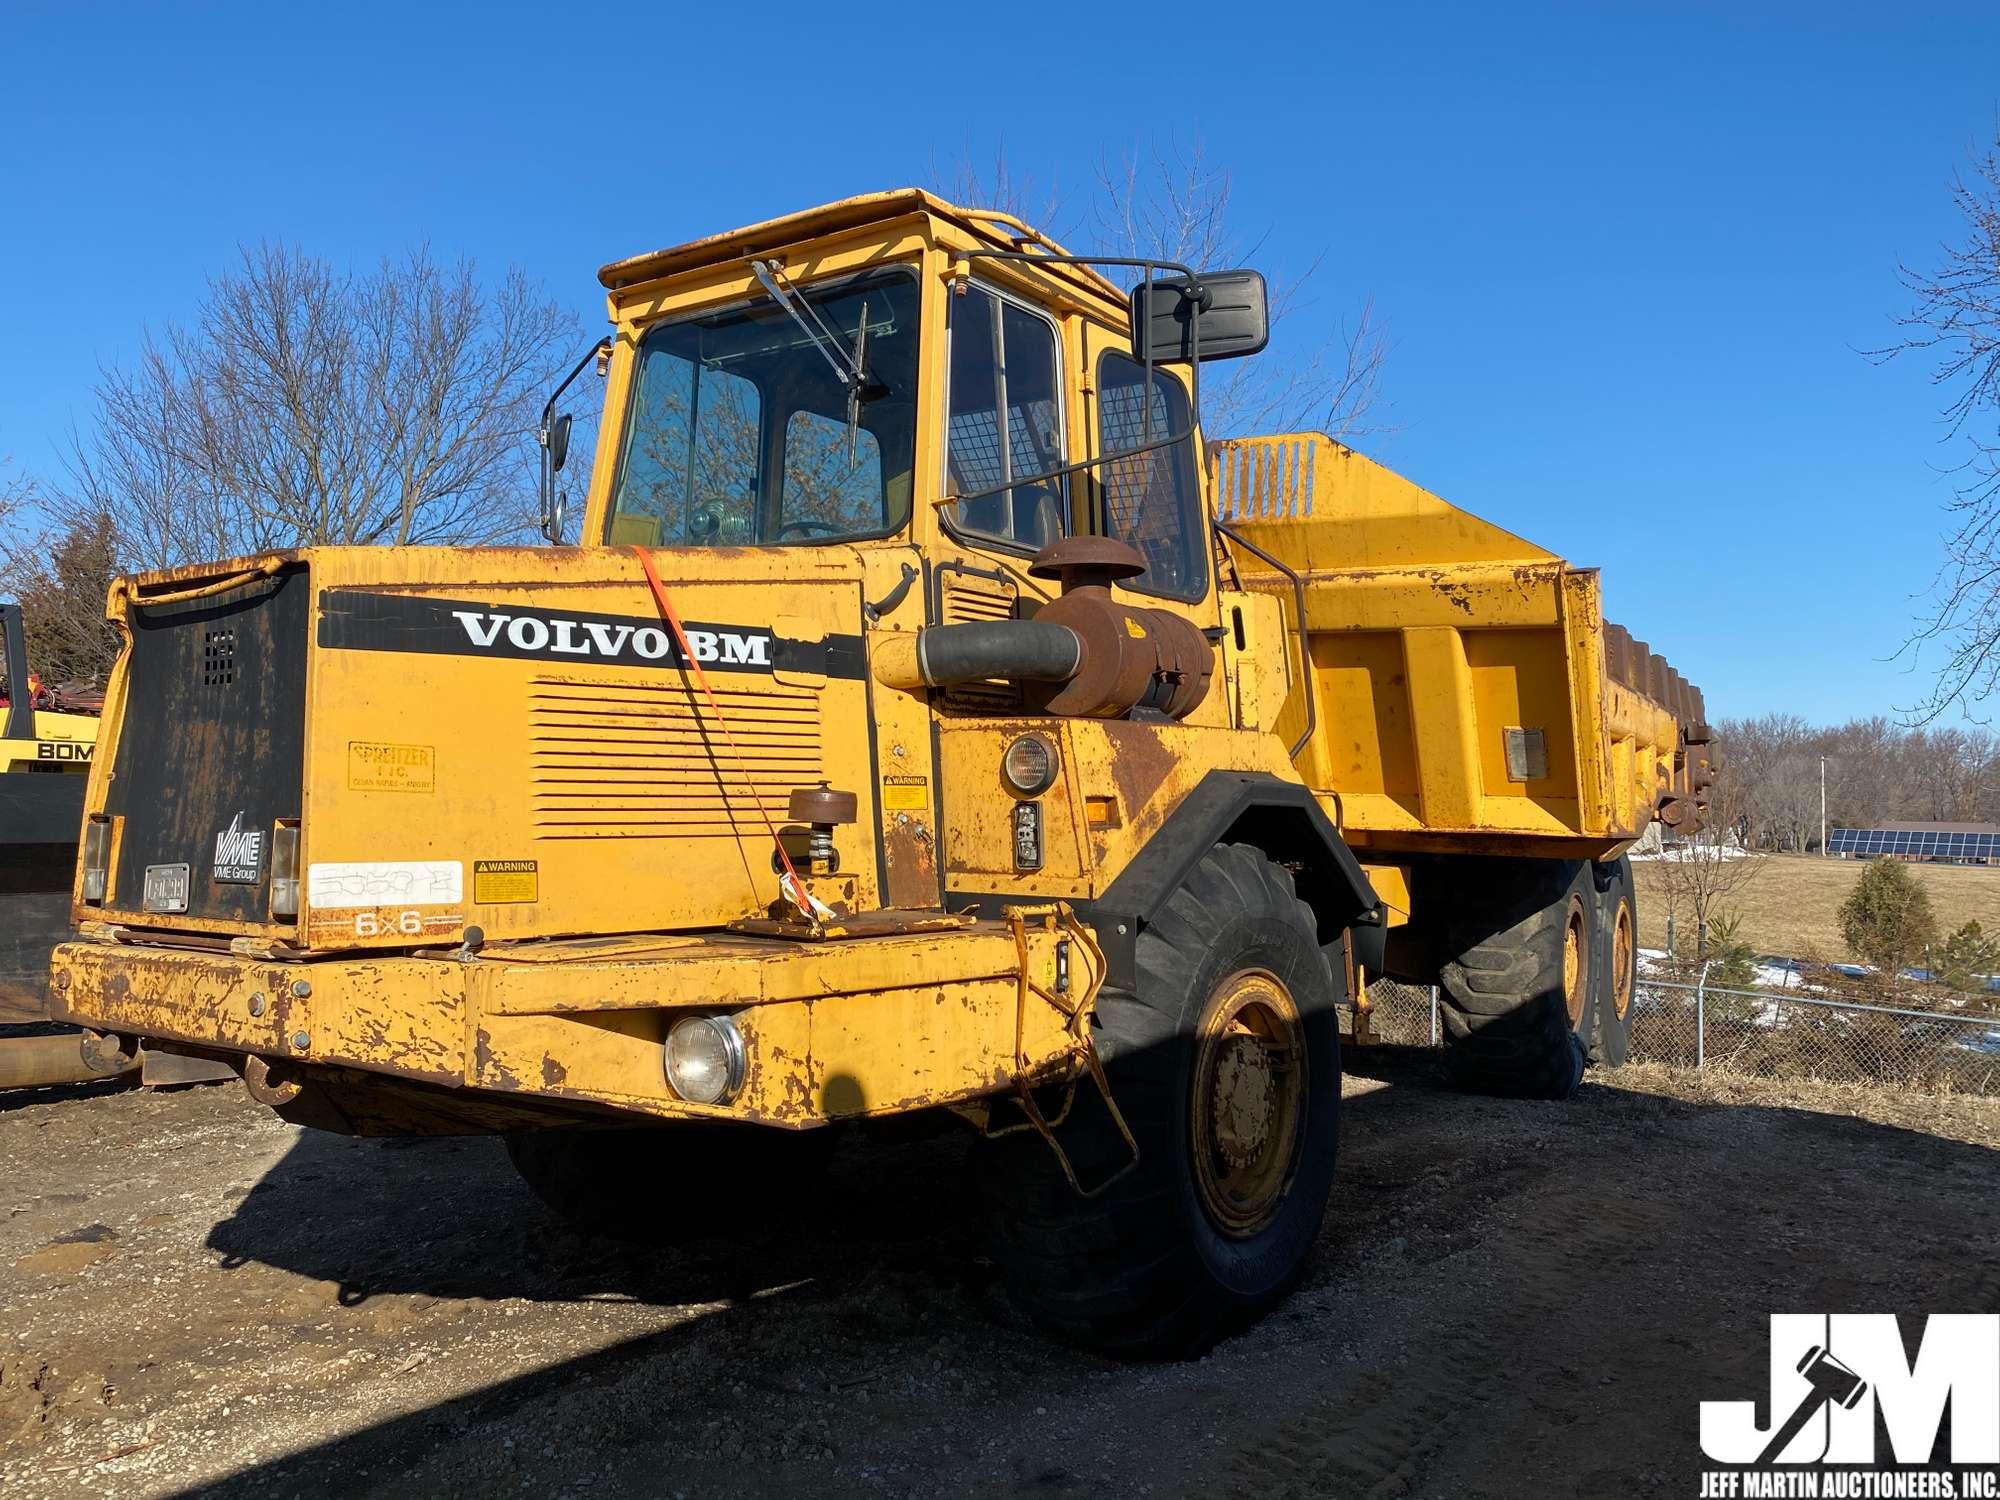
923	720
45	750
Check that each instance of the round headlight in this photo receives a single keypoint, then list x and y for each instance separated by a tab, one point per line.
704	1057
1030	765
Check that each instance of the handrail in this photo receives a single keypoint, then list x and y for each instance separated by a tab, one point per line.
267	568
1305	638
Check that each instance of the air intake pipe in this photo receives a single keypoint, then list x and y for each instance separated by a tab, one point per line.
948	655
1084	655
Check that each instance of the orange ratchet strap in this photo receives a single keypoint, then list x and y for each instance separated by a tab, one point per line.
794	889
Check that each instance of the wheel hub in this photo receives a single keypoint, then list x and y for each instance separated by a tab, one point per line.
1249	1101
1576	963
1246	1099
1622	960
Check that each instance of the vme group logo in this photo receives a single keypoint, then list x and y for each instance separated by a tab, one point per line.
1852	1414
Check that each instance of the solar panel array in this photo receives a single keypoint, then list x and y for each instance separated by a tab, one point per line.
1917	844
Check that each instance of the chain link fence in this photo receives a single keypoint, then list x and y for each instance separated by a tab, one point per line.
1764	1033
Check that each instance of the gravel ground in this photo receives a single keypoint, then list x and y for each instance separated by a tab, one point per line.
1508	1299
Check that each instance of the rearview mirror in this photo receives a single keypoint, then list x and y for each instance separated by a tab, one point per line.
559	438
1235	317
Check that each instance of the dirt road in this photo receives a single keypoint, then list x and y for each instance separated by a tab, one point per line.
1508	1299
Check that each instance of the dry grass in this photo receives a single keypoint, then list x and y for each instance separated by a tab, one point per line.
1963	1117
1791	905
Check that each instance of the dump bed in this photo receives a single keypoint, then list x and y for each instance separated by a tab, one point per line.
1463	689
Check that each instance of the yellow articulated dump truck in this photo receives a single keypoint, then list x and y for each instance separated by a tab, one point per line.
923	719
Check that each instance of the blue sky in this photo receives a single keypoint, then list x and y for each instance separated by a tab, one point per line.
1629	253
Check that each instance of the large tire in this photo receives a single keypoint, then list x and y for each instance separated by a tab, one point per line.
1615	973
1225	1062
1516	990
660	1183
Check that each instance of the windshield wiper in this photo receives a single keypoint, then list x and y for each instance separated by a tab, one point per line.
851	365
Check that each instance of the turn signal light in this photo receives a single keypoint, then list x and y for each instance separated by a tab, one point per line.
285	870
96	859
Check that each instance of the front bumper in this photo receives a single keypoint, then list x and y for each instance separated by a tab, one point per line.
877	1025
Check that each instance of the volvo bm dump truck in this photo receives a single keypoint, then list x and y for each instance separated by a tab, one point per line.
920	721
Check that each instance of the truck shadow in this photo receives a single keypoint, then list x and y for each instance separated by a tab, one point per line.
1623	1237
447	1217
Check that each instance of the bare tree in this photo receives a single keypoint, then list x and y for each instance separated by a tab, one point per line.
61	582
1176	206
18	498
1955	321
307	405
1876	770
59	570
1700	873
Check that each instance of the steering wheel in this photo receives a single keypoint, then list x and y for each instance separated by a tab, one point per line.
818	528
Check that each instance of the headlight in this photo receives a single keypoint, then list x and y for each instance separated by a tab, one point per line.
704	1059
1030	765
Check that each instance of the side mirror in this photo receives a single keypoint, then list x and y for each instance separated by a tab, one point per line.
1235	317
553	517
558	440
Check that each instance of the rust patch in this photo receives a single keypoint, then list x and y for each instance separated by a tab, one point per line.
1457	595
910	855
487	1070
1140	764
554	1074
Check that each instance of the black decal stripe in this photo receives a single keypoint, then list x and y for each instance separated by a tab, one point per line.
352	620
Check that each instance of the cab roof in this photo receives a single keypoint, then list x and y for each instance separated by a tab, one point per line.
1002	230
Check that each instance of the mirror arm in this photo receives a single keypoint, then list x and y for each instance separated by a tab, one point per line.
596	351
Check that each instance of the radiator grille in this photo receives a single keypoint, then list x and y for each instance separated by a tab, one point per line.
639	761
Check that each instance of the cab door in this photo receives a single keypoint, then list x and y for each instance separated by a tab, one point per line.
1006	418
1153	499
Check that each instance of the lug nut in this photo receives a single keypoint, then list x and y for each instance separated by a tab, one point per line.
302	988
300	1041
257	1004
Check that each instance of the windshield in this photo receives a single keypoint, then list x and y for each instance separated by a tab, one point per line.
743	431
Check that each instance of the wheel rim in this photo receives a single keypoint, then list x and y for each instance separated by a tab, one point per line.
1249	1101
1576	962
1623	955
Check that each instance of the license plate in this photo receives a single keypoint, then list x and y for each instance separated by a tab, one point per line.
166	888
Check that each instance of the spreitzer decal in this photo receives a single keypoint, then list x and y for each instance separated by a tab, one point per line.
1852	1414
356	621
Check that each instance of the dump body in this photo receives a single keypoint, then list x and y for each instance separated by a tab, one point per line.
1464	692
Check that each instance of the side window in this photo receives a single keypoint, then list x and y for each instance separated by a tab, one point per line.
1152	500
691	474
1005	420
826	490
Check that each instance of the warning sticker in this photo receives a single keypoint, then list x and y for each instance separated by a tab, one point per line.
373	767
906	793
496	882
